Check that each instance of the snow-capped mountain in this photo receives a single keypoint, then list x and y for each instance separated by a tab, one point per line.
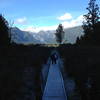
71	34
22	37
44	37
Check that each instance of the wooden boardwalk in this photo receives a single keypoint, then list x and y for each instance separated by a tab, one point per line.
54	88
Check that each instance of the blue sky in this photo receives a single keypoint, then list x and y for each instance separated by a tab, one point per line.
43	13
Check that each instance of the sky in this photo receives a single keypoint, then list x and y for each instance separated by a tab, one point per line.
36	15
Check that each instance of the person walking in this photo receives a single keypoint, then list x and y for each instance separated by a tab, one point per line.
54	58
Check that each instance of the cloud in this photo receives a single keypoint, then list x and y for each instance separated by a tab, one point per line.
67	24
21	20
66	16
37	29
74	22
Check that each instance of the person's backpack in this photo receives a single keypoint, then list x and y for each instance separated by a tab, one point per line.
56	57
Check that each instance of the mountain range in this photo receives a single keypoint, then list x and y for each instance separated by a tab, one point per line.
44	37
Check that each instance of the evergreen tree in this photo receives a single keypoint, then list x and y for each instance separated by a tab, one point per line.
93	14
4	32
89	25
59	34
91	19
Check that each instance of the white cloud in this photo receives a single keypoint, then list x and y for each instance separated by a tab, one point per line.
66	16
72	23
37	29
21	20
